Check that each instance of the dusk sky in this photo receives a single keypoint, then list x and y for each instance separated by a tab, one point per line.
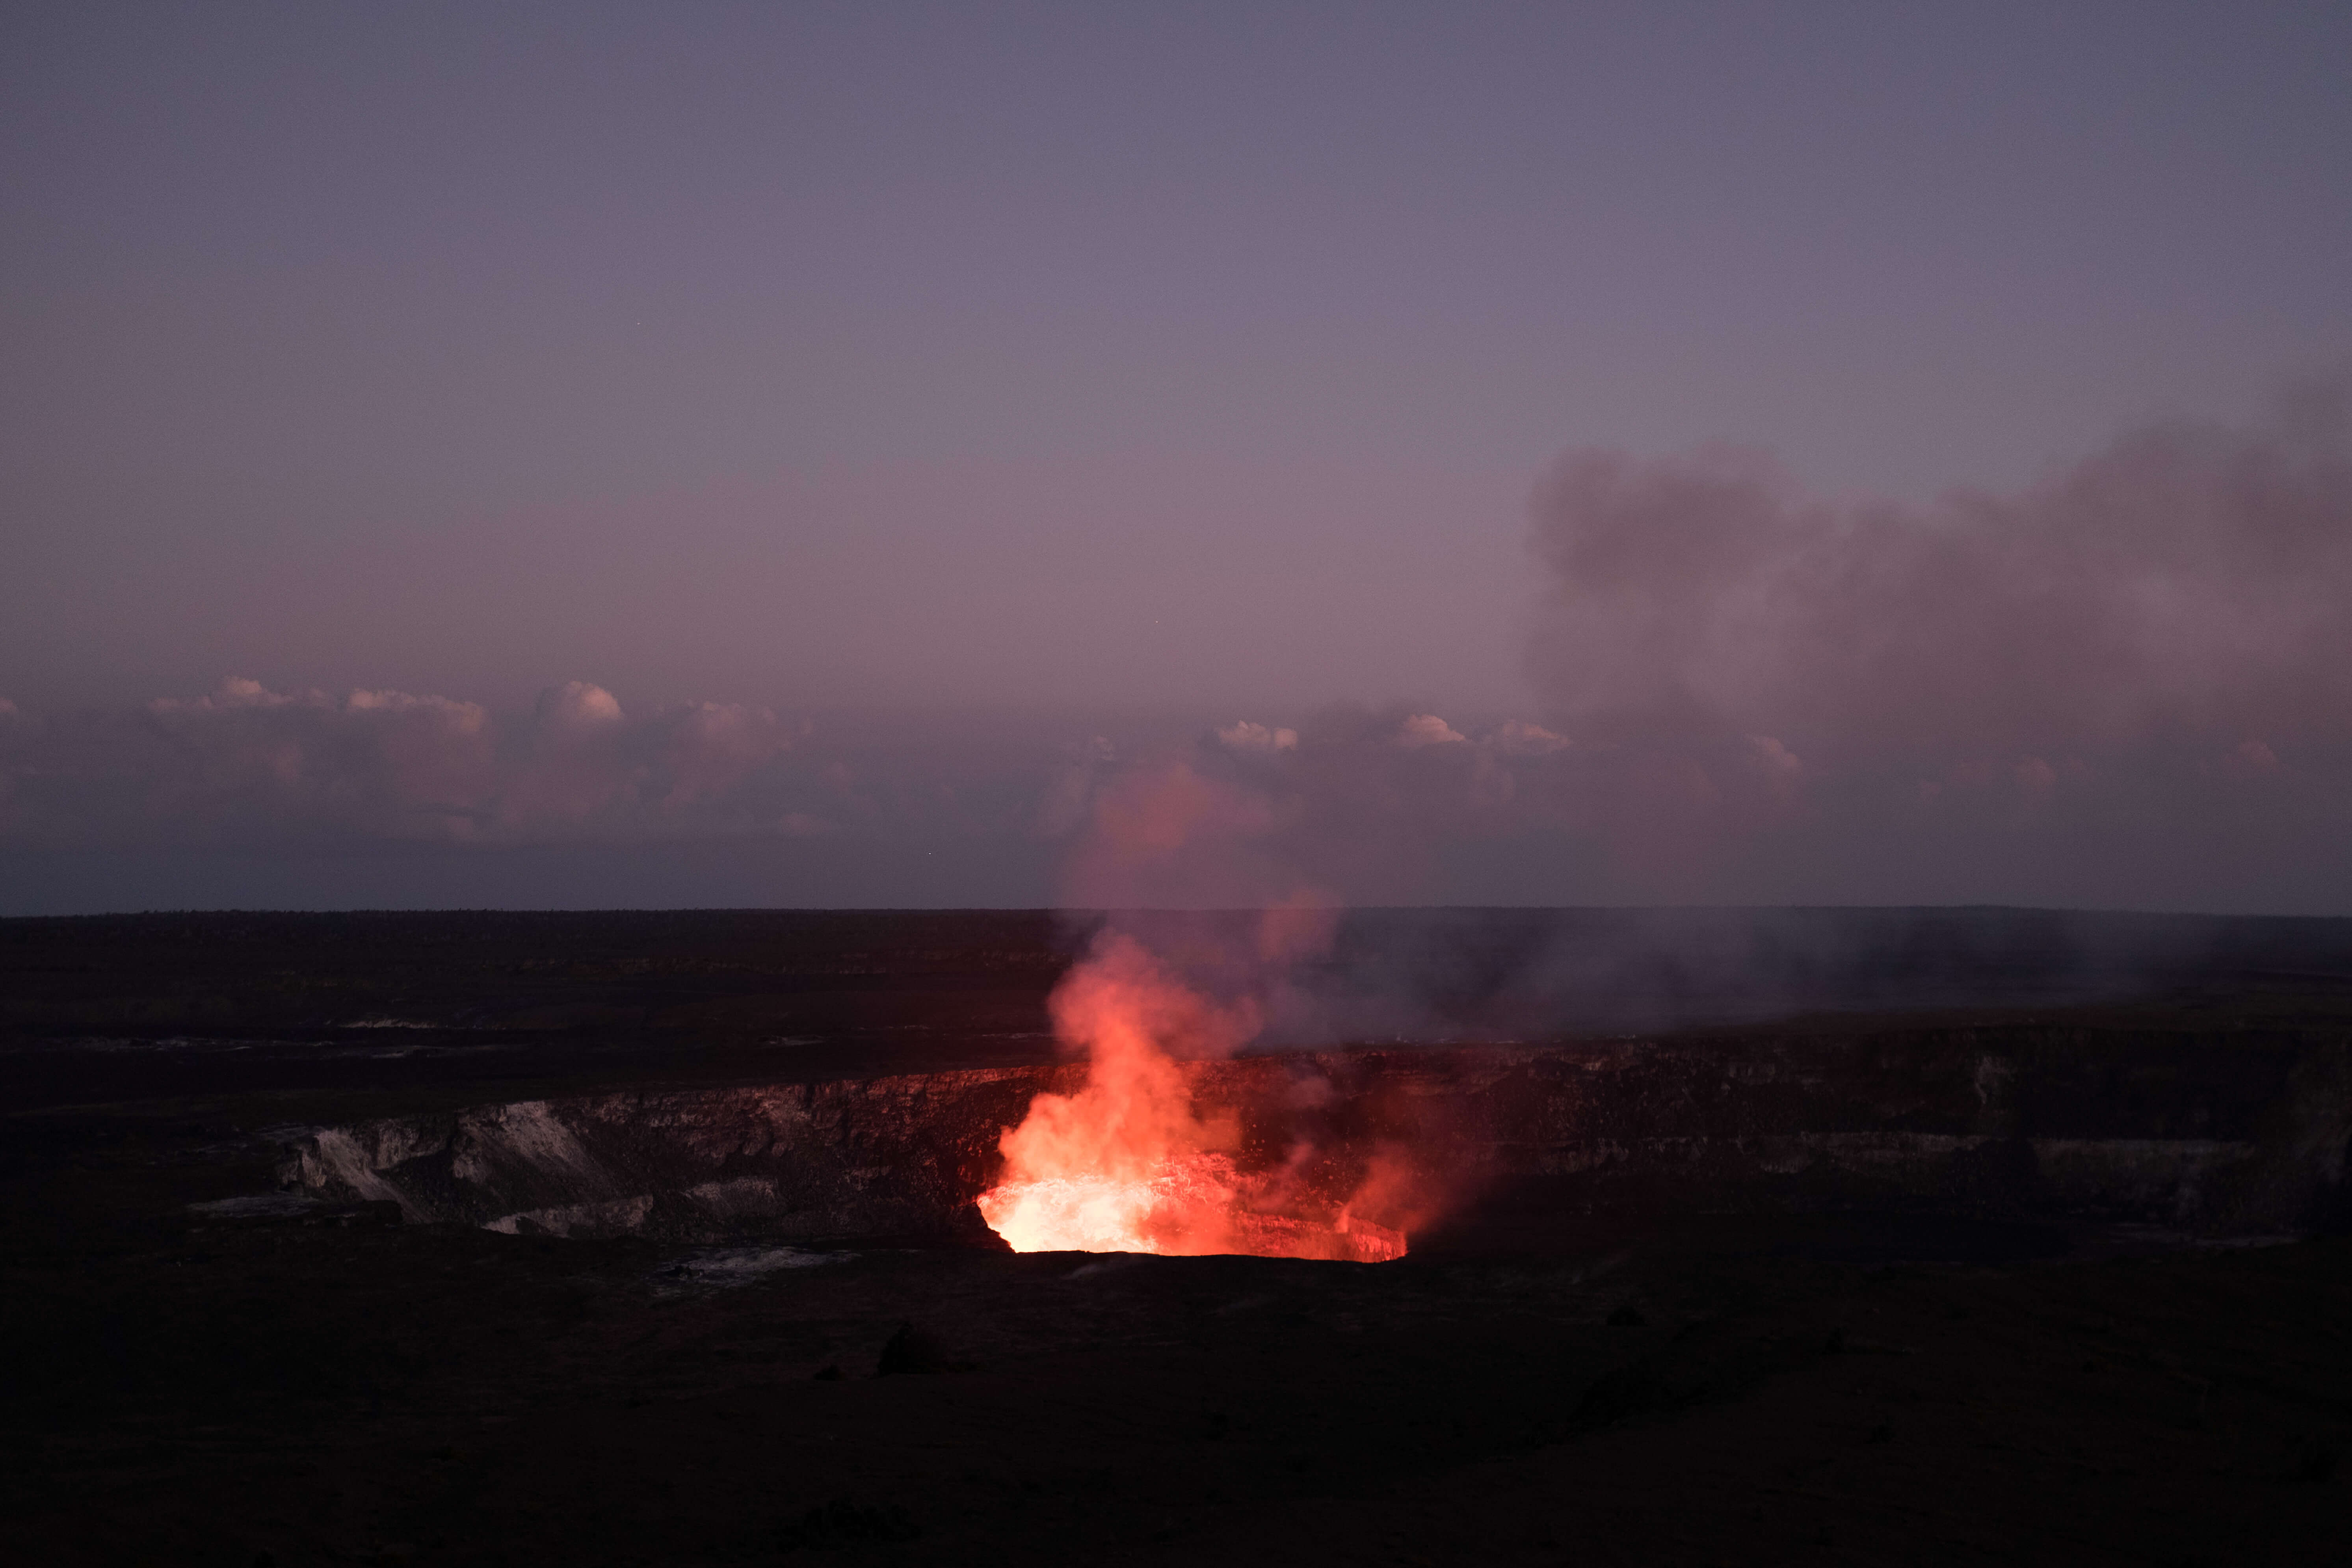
696	454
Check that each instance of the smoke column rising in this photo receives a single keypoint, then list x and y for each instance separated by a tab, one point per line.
2151	648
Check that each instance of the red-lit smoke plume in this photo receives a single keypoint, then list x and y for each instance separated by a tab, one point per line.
1131	1162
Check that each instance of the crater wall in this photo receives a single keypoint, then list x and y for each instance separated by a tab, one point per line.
2242	1135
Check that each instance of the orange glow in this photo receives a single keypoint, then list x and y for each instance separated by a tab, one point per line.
1128	1163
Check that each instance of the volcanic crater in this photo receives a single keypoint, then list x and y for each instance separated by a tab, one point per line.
2019	1123
494	1238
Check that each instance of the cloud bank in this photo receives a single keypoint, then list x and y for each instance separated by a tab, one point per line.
247	765
2128	685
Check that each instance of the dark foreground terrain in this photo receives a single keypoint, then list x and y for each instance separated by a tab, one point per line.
1808	1368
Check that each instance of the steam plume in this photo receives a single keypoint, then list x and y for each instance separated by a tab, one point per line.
2156	643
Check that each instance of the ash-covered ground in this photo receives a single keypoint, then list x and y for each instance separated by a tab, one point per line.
1780	1268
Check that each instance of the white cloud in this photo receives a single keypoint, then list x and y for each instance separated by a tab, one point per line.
1247	737
578	708
235	692
244	762
1427	730
1518	738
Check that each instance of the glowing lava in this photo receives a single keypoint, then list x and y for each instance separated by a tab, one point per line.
1127	1163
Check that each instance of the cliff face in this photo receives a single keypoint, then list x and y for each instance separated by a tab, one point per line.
887	1156
2240	1134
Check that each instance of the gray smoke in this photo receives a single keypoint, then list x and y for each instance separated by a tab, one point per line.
2151	652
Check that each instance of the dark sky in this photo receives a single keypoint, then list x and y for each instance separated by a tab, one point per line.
822	454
